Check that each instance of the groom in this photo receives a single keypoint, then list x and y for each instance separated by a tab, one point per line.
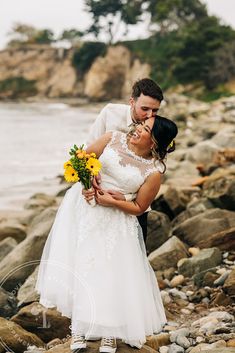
144	103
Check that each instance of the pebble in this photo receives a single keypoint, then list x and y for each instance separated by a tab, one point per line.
183	341
174	348
194	251
164	349
165	297
177	281
189	293
222	316
176	293
185	311
220	281
225	255
200	339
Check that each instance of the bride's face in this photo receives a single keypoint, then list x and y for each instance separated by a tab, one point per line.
142	134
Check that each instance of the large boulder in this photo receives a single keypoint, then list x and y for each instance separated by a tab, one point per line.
22	260
212	228
158	230
11	228
45	323
203	152
168	254
205	259
40	200
6	245
16	339
221	191
8	303
27	293
224	138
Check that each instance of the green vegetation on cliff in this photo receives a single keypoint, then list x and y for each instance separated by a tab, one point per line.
17	87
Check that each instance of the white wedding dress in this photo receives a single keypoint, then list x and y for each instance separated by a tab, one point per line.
94	267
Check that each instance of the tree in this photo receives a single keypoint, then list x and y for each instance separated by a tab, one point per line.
199	44
26	34
174	14
109	14
72	35
223	67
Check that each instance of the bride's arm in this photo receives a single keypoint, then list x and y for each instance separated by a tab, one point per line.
145	196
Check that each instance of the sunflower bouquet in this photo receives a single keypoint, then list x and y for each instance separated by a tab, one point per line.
81	167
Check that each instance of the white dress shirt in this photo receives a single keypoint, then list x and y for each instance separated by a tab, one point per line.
113	117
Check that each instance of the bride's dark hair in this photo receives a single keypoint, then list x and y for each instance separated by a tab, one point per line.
163	133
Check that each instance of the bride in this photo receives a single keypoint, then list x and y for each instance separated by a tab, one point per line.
94	267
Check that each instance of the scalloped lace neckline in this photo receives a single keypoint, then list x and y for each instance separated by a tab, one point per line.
132	153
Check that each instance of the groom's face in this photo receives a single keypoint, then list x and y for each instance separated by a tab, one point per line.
143	107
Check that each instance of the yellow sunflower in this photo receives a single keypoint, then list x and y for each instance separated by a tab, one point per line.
67	164
70	175
93	155
93	165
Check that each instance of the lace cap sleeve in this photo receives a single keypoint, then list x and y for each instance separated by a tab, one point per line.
115	137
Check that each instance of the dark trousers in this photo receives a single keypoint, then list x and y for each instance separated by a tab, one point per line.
143	220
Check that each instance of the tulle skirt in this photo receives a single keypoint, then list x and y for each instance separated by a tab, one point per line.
94	269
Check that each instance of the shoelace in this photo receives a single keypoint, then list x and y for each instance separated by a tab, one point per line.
78	338
108	341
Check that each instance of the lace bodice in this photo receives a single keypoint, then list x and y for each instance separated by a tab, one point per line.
123	170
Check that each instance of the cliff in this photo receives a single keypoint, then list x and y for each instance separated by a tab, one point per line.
44	71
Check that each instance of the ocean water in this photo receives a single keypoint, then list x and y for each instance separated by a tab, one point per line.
34	142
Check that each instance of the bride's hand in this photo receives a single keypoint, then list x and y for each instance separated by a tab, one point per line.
117	195
103	198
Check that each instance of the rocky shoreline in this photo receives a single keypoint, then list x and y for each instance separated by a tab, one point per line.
190	245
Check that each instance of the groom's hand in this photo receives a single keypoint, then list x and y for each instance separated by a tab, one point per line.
116	195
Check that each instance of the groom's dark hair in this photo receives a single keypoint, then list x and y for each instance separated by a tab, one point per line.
148	87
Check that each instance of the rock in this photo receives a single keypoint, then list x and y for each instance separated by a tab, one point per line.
194	251
40	200
217	350
174	348
178	294
156	341
12	268
168	254
224	138
231	343
8	303
222	316
15	338
212	228
205	278
164	349
221	192
169	273
177	198
203	152
6	245
158	230
26	293
54	343
184	331
221	299
12	229
165	297
177	280
229	285
182	341
220	281
207	258
37	319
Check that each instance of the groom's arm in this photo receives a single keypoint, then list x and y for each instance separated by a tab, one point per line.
145	196
98	128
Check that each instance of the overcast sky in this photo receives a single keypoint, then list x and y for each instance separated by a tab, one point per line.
58	15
